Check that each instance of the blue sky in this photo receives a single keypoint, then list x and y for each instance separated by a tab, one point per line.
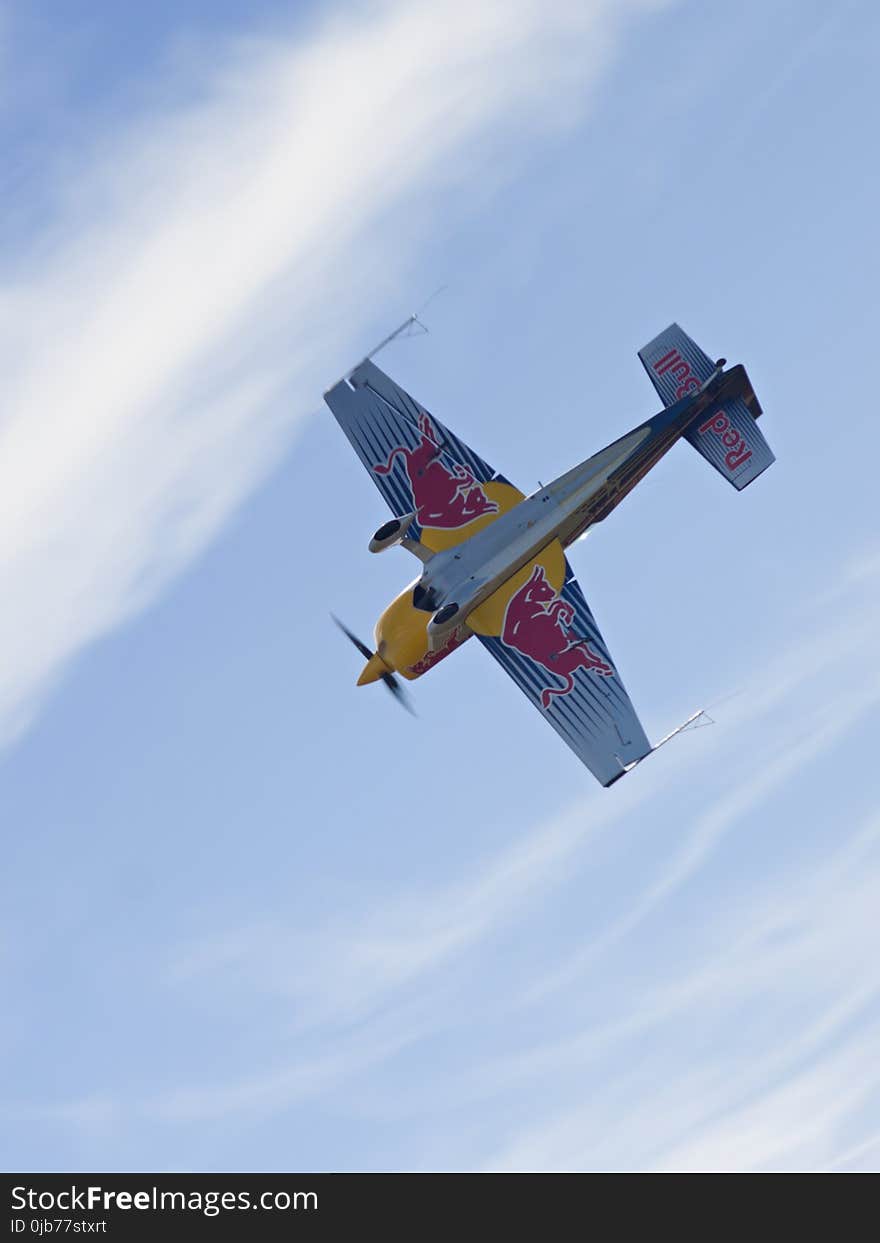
253	918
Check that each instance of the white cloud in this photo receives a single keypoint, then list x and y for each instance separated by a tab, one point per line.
754	1046
275	1089
784	1070
748	1044
345	971
820	730
802	944
204	282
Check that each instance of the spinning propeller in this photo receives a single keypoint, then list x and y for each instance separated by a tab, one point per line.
388	678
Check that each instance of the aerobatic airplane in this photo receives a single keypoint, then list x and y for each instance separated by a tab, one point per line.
493	560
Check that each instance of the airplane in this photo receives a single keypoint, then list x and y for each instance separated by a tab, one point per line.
493	560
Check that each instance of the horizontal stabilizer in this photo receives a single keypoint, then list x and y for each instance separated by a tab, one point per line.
675	364
727	437
726	434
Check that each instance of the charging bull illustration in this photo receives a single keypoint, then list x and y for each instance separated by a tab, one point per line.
536	624
442	497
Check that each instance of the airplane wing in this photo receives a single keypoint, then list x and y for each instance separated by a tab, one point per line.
417	464
551	647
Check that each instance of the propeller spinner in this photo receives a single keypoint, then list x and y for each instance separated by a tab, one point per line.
377	668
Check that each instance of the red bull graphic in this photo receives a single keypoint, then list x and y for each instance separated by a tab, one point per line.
731	439
536	624
430	659
441	497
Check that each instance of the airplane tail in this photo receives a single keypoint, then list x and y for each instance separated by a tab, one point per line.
726	434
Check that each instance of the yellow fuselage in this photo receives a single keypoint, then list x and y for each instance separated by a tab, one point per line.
401	641
402	630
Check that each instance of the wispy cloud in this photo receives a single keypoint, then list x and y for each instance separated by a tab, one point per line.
748	1043
188	313
345	972
753	1046
820	729
801	942
201	283
779	990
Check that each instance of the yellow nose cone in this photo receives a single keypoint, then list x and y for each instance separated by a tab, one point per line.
401	633
373	670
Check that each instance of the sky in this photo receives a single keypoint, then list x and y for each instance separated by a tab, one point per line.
253	918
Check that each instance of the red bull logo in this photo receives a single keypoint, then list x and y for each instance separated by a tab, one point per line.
441	497
679	369
731	439
430	659
536	624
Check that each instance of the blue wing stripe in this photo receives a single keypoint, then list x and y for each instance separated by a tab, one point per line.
562	725
410	410
396	493
379	445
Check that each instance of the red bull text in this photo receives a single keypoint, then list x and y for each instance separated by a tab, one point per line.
734	443
679	369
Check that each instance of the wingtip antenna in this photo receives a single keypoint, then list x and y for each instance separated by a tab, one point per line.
439	290
697	720
413	325
399	331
